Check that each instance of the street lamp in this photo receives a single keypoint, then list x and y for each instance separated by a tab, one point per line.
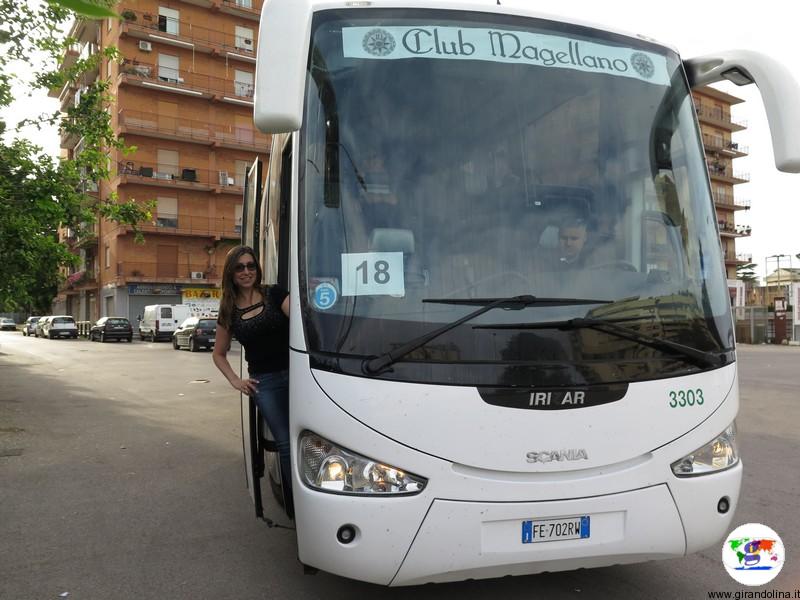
778	257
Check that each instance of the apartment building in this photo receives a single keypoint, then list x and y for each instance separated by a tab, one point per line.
713	109
184	98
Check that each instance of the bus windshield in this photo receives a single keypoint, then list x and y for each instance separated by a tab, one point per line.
447	161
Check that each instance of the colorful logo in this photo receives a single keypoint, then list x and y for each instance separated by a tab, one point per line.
325	296
753	554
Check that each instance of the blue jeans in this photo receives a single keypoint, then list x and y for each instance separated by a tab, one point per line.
272	398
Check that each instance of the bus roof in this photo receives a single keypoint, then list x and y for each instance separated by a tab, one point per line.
488	6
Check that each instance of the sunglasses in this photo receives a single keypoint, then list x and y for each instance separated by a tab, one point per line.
240	267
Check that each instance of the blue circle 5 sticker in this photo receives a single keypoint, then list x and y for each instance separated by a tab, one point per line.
325	296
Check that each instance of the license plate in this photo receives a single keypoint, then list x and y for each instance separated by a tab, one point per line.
549	530
211	340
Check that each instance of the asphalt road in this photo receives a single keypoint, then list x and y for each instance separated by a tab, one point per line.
121	477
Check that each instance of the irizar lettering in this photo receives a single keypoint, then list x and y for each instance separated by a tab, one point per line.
570	398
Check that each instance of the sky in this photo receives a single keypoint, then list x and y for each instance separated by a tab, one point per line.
693	28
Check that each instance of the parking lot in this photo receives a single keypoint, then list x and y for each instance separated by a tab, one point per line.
122	478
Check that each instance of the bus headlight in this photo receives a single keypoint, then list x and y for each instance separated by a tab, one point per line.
720	453
326	467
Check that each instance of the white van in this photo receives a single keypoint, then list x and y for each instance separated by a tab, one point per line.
159	321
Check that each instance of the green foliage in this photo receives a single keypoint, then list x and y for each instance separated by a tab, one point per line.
746	272
38	194
86	9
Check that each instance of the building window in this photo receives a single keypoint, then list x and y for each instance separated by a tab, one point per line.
168	20
244	3
169	68
237	218
243	84
241	171
243	124
167	164
107	256
167	212
243	40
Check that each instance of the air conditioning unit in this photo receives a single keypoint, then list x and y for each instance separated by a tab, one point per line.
223	178
198	275
145	46
231	181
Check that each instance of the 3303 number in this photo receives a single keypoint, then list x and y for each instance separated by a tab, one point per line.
681	398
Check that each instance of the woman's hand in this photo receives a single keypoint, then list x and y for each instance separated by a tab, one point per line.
246	386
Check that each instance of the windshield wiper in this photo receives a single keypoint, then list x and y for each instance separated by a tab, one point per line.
377	364
694	356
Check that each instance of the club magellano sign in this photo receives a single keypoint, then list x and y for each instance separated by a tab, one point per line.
504	46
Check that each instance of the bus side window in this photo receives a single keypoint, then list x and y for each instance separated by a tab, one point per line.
276	217
285	202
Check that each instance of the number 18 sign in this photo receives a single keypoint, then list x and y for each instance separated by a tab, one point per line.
373	274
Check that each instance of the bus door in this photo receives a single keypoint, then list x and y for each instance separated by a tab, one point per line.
251	447
267	232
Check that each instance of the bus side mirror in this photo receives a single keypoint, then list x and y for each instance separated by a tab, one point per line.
281	65
779	91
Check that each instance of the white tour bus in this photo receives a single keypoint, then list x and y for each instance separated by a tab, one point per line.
511	339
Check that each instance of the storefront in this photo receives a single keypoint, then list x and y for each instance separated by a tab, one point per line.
129	300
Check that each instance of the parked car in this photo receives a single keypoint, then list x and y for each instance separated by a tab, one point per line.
111	328
29	326
7	324
195	333
38	331
159	321
60	326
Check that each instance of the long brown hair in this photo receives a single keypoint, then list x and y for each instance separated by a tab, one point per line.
229	288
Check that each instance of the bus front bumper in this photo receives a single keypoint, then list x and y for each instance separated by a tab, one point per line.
411	540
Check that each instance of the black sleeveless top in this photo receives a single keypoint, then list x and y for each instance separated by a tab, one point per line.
265	336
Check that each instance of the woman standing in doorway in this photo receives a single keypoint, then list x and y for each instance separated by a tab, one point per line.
258	317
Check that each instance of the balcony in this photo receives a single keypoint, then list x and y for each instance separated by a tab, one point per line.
200	132
718	144
722	172
68	139
727	229
158	28
730	202
188	83
719	118
79	281
227	228
731	258
249	9
185	272
178	176
221	228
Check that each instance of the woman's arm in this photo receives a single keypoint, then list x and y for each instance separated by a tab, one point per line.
285	306
220	358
